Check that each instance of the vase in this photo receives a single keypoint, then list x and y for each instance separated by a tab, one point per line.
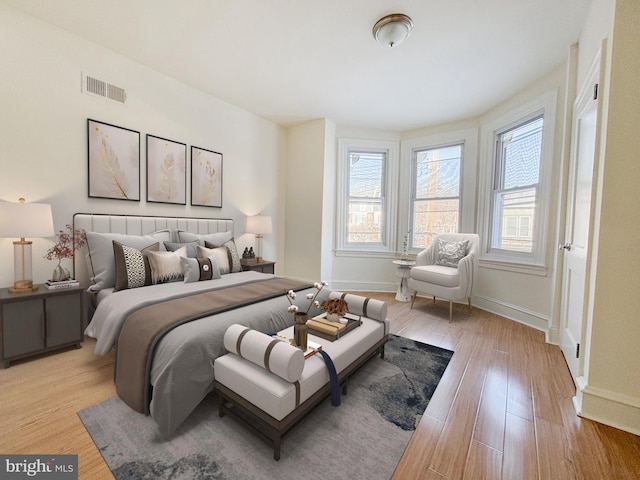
300	330
333	317
60	274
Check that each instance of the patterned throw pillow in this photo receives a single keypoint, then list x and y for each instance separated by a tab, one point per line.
132	265
166	266
234	258
450	253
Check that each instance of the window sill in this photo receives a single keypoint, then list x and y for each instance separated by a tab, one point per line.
528	269
365	254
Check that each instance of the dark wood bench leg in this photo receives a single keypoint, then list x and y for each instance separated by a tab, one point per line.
276	449
220	406
382	352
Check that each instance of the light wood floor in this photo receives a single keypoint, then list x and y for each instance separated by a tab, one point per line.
502	410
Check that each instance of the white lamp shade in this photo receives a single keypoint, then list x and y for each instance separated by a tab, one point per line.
20	220
259	224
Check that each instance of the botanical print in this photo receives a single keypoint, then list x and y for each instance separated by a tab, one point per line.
166	170
114	161
206	177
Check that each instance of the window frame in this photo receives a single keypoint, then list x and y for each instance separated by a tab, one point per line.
534	262
389	204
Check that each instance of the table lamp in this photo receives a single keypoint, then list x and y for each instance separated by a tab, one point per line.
20	220
259	225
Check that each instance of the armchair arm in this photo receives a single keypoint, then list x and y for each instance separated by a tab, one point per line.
467	271
428	255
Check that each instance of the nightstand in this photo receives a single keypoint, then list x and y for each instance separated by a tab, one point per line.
264	267
36	322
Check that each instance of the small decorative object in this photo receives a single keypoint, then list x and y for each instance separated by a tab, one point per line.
245	254
405	243
252	253
68	243
300	326
335	308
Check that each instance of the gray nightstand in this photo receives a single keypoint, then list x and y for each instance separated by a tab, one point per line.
36	322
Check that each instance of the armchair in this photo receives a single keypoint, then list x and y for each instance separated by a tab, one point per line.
436	274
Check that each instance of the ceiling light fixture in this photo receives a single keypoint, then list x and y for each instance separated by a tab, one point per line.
392	30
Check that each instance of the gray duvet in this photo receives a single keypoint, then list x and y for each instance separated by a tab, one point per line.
182	370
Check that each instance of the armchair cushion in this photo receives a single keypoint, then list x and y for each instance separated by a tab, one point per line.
437	275
450	253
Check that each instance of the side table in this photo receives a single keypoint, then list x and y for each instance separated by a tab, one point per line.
264	267
403	270
36	322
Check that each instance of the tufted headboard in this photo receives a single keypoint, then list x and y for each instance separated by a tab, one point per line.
138	225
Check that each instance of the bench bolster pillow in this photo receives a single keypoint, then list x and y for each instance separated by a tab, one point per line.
367	307
275	356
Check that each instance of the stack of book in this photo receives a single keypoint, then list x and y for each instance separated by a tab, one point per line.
72	282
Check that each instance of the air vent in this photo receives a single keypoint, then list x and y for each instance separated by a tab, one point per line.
94	86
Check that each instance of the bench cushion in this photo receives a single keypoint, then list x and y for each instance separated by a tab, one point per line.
277	397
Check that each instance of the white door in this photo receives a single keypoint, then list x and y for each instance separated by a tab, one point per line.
578	235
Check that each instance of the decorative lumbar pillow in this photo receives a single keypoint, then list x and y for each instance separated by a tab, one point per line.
276	356
192	252
132	265
234	258
215	238
100	259
199	269
221	255
450	253
166	266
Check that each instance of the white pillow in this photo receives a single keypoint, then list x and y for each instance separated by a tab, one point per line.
100	258
215	238
199	269
166	266
221	255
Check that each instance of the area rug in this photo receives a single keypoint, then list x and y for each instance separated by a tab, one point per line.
363	438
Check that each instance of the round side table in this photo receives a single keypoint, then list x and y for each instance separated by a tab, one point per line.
403	269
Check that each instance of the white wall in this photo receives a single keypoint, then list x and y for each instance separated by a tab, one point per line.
43	139
609	388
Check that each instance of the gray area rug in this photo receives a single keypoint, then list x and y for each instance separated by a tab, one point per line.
363	438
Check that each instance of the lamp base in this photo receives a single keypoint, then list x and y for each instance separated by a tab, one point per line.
259	260
23	286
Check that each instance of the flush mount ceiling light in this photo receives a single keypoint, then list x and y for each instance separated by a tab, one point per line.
392	30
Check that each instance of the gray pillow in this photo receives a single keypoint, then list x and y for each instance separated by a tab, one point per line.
215	238
100	259
450	253
199	269
192	252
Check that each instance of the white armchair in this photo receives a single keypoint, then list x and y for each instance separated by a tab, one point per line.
436	275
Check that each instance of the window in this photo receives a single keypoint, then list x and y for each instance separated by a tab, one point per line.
367	179
515	190
366	197
435	206
514	195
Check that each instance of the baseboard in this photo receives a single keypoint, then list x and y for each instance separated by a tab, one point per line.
513	312
344	285
610	408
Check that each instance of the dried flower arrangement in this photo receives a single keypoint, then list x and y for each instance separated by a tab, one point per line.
68	243
291	296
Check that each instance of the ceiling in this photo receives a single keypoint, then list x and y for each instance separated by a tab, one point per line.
295	60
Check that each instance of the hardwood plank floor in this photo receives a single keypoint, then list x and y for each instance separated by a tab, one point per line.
501	411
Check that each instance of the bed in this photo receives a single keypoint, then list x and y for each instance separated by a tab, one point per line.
179	371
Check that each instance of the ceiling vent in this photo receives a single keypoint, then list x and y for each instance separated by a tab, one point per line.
94	86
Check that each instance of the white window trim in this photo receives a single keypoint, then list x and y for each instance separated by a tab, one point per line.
534	262
388	245
469	140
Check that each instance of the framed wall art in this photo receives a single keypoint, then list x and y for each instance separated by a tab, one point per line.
114	161
166	171
206	177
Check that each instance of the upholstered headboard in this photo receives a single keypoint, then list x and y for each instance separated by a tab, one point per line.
139	225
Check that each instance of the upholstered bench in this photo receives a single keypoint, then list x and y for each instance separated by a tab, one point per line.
269	384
